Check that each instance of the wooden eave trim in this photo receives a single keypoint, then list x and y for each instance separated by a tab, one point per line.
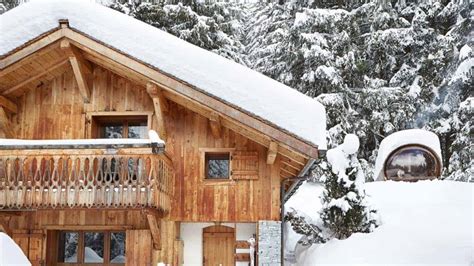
172	84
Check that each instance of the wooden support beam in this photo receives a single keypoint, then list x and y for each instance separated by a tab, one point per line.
215	124
81	68
160	105
272	152
156	92
56	65
8	105
5	126
155	230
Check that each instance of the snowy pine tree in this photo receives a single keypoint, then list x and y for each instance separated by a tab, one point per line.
345	208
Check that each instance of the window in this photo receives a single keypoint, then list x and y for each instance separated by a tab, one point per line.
411	163
122	127
217	165
91	247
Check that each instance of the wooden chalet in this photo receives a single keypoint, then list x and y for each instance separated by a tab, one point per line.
76	75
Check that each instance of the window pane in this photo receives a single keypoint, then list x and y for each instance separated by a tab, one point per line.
137	130
111	132
93	247
67	245
117	247
217	166
410	164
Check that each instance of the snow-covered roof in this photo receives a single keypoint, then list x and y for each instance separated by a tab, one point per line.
405	137
10	253
232	83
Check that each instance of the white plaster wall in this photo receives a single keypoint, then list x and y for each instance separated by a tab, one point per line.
191	234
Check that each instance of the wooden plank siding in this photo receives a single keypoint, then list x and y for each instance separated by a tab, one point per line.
56	111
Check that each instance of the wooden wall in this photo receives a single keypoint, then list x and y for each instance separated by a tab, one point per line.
34	232
56	110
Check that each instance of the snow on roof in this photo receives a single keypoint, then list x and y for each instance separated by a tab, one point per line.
405	137
231	82
10	253
423	223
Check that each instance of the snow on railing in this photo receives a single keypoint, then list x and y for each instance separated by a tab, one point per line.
154	142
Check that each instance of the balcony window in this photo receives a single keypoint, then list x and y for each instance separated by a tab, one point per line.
121	127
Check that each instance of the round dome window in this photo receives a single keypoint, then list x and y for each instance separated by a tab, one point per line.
412	163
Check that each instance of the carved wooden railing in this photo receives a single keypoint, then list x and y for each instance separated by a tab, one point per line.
88	178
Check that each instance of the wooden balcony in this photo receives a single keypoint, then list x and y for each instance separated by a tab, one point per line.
85	178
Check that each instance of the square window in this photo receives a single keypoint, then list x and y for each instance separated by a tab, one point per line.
217	165
68	247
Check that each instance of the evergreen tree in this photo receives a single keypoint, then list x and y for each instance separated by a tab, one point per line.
345	209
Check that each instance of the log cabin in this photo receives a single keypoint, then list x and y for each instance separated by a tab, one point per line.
84	180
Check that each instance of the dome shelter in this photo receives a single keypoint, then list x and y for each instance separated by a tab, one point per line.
409	155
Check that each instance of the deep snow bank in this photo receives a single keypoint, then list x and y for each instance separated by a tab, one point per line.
423	223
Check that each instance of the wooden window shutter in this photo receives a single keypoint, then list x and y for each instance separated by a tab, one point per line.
138	246
244	165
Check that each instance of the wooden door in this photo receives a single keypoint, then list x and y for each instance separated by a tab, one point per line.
138	247
219	246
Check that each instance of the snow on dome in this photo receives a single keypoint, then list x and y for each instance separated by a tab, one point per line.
405	137
10	253
217	76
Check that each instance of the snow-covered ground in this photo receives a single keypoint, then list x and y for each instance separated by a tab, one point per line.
423	223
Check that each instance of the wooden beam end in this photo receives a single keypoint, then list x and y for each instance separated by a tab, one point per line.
272	152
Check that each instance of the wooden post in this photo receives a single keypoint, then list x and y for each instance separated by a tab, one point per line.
80	67
272	152
161	106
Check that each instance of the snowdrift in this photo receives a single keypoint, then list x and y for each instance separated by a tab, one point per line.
423	223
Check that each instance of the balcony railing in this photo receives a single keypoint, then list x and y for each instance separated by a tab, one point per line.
85	178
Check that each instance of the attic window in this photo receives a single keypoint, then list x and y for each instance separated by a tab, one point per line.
217	165
412	163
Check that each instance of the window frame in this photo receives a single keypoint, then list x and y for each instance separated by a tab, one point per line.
94	119
408	146
204	164
81	247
